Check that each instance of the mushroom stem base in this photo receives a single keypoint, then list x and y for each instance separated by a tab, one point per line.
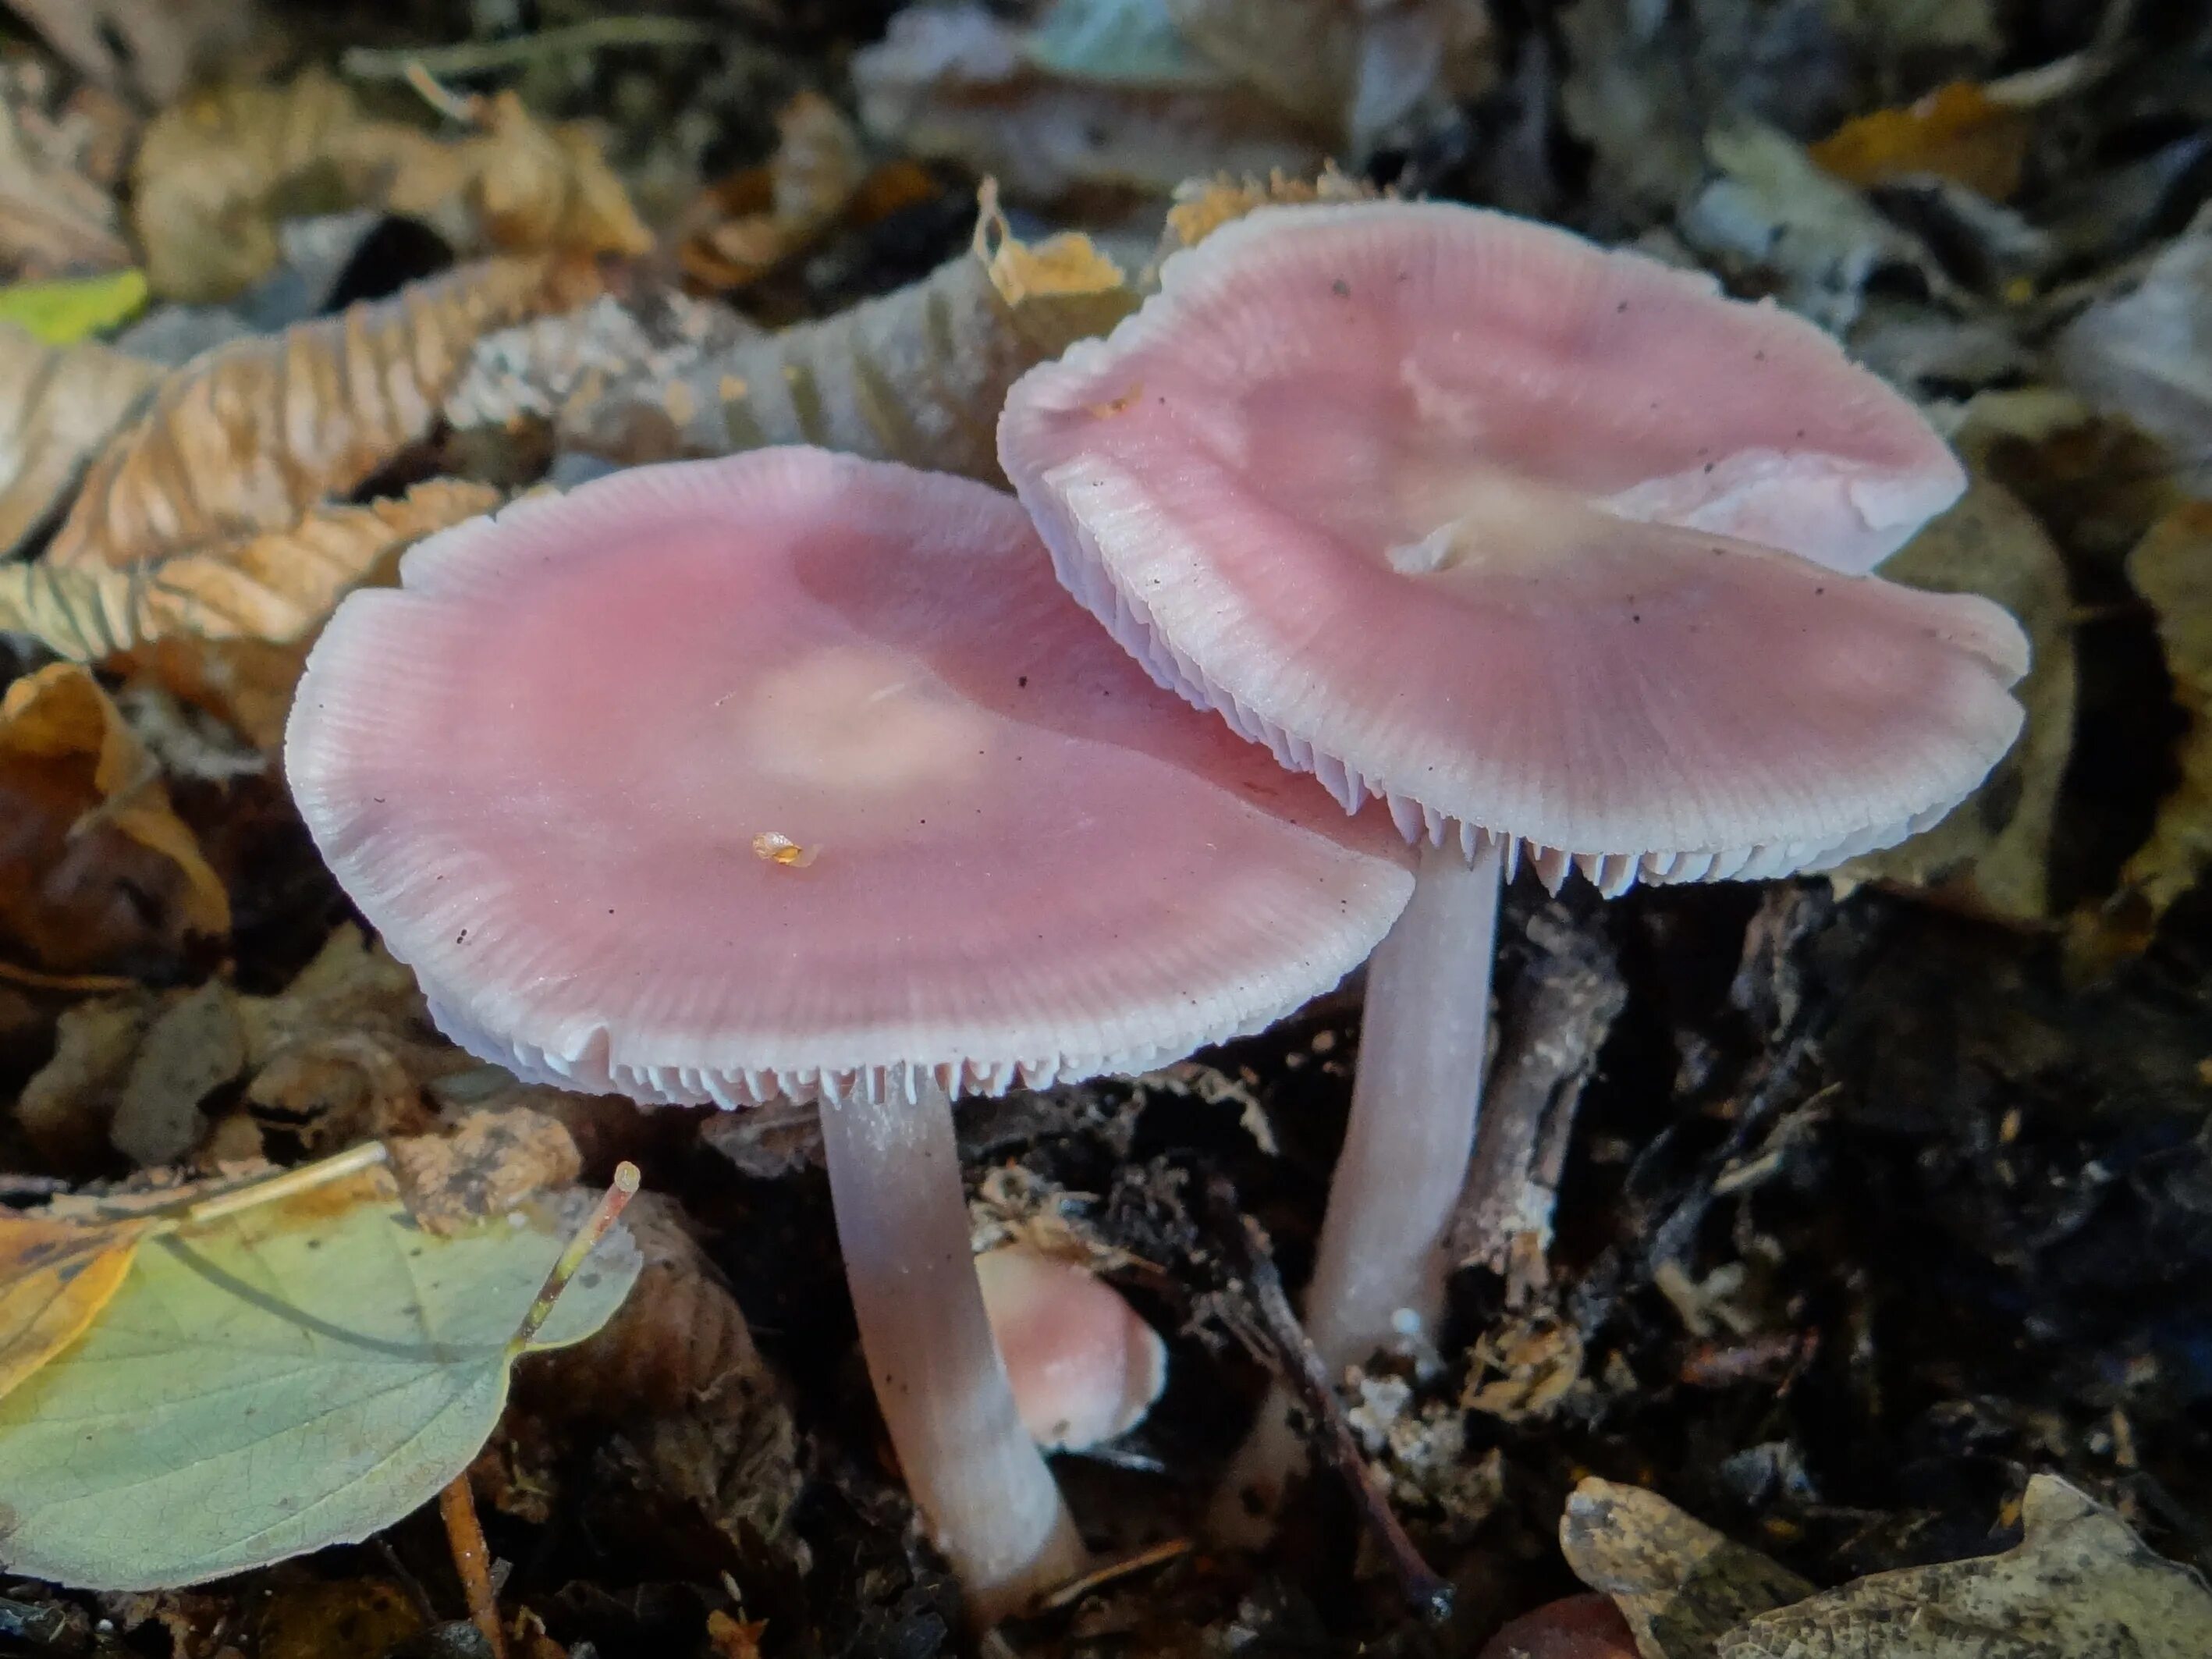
1379	1268
990	1502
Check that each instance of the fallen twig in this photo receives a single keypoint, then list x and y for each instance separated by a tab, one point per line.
1279	1342
477	57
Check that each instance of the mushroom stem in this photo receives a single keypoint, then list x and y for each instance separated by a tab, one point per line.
990	1503
1379	1270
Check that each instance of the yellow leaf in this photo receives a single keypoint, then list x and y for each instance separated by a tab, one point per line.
54	1277
62	404
1957	132
65	311
278	587
60	715
248	436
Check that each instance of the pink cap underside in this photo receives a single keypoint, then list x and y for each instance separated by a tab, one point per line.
538	770
1443	334
1625	693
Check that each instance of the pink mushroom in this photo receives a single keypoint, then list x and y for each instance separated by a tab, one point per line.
794	774
1576	1628
1467	513
1084	1368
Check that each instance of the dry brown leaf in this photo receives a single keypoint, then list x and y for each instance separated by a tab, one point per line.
1679	1584
956	83
1352	68
485	1165
250	435
215	172
78	780
151	47
2172	568
681	1335
2079	1585
60	404
752	221
917	375
516	185
1202	206
207	170
1957	132
277	587
1992	854
339	1056
54	218
525	373
54	1277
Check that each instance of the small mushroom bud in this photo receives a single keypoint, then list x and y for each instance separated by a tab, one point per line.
1576	1627
1084	1368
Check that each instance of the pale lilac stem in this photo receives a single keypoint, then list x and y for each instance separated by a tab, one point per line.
989	1501
1380	1269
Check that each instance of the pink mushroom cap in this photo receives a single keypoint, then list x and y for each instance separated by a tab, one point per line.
1469	514
797	775
1085	1367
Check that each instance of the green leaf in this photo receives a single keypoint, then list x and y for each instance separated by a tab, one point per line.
74	308
298	1374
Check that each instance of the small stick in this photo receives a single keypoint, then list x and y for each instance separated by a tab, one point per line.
610	1205
1285	1350
75	984
457	1504
476	56
1556	1016
306	1178
1152	1555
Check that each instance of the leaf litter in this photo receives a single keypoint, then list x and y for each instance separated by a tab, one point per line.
1869	1211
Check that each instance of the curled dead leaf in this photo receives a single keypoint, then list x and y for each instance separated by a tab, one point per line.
1992	854
2172	568
213	171
2079	1583
956	83
62	404
250	434
1681	1584
1202	206
917	375
1958	131
277	587
1352	71
680	1337
524	374
92	845
151	47
485	1165
750	222
54	218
